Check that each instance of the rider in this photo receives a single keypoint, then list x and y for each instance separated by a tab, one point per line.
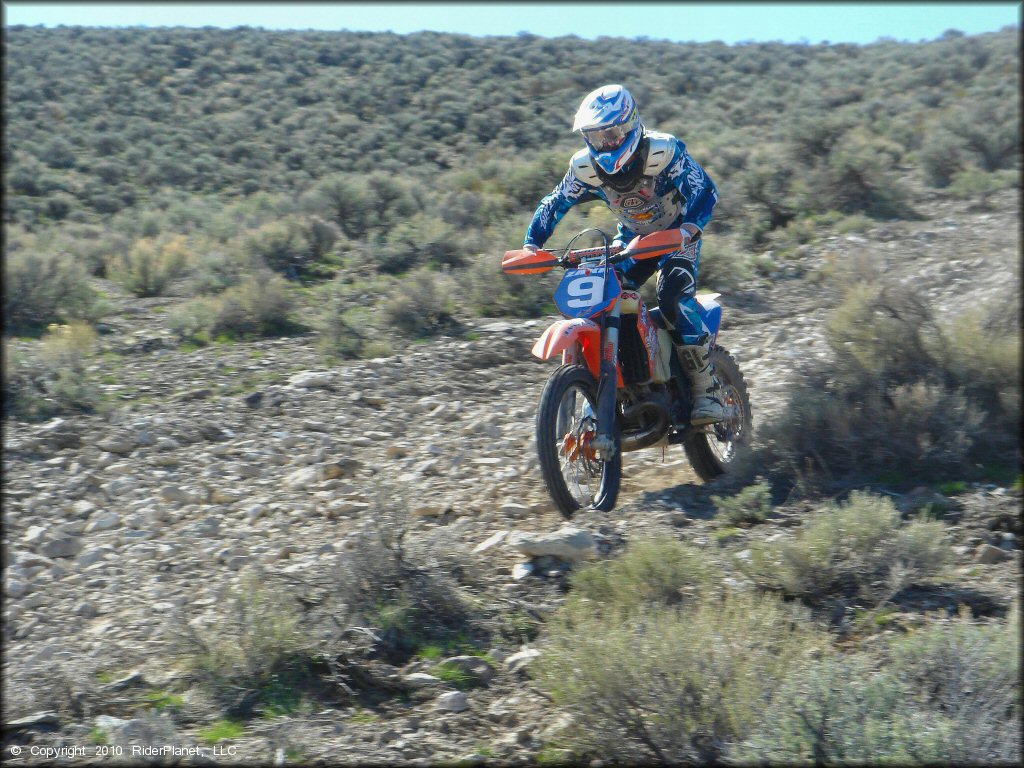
650	182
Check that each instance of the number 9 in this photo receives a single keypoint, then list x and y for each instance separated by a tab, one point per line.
590	289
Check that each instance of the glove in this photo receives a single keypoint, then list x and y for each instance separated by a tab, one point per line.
689	235
530	247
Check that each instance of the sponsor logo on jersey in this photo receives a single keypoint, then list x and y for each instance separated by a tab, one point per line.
632	201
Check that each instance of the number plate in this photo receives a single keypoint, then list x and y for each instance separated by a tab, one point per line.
582	292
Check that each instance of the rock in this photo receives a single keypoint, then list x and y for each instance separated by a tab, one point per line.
420	680
302	478
208	528
925	499
515	511
453	701
988	554
253	399
35	720
134	680
64	546
34	535
429	510
472	666
59	434
491	541
220	496
180	495
521	570
521	660
341	469
567	543
312	380
195	394
86	610
91	556
83	508
15	589
121	444
103	521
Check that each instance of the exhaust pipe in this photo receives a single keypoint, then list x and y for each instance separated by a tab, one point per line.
634	440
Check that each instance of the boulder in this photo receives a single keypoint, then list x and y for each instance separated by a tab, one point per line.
453	701
567	543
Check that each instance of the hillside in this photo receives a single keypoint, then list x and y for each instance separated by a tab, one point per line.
275	488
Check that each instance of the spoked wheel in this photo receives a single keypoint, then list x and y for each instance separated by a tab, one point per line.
566	427
712	449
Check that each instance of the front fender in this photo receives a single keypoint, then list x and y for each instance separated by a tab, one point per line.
563	335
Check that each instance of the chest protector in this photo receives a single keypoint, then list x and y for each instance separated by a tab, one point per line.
635	199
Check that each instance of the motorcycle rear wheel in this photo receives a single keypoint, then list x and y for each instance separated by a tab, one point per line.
566	424
713	449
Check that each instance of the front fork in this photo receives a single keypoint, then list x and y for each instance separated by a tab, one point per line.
604	443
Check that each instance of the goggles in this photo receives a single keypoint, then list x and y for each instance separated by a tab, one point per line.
607	139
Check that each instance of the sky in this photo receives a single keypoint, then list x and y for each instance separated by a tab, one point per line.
680	21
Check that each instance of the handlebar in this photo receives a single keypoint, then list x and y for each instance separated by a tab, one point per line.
578	255
646	247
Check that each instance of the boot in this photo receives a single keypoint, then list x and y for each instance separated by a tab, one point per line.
704	386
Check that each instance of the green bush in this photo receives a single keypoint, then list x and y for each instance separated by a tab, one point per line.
255	646
902	388
860	548
421	305
723	266
54	379
978	186
348	333
408	591
489	292
261	305
41	288
150	266
649	573
945	694
670	685
750	505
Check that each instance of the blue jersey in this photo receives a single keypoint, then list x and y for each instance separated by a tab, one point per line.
671	190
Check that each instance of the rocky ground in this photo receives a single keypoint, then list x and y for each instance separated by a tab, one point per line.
117	526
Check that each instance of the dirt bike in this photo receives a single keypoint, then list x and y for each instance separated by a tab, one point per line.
620	386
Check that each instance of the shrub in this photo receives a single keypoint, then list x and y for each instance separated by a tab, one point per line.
649	573
723	265
55	380
751	505
943	694
491	293
978	186
902	388
859	548
259	306
406	589
670	685
347	334
149	266
217	267
254	646
420	305
42	288
292	246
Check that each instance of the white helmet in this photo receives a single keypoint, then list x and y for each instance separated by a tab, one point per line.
610	125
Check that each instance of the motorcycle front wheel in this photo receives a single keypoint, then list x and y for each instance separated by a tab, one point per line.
566	426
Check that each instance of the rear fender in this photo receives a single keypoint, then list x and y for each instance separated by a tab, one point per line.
563	336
